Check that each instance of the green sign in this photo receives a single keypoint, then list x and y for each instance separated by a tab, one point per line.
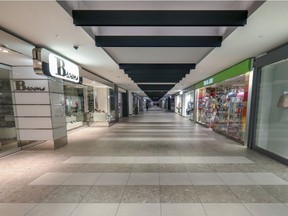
236	70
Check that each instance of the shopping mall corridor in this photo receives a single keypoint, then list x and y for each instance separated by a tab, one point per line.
152	164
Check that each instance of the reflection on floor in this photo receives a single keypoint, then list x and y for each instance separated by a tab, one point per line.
155	163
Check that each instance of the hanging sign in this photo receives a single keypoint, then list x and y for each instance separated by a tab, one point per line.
49	64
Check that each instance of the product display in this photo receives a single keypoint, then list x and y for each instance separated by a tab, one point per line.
223	106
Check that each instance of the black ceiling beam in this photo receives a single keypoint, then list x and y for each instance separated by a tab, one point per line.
155	87
156	71
157	66
177	73
156	79
157	76
158	41
160	17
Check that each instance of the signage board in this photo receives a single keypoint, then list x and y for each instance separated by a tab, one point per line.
49	64
208	81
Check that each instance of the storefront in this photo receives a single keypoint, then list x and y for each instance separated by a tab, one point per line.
222	101
269	127
8	136
188	105
178	103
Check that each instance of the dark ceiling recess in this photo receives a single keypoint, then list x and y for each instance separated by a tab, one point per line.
157	75
158	41
159	18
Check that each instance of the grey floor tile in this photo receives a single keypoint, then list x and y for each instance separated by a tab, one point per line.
104	194
63	167
55	209
216	194
175	179
141	194
253	194
37	193
183	209
192	160
100	160
51	179
123	160
205	179
144	179
151	209
15	209
92	168
146	160
99	209
82	179
225	168
113	179
267	209
236	179
145	168
197	168
119	168
280	192
225	209
178	194
172	168
67	194
78	159
267	179
170	160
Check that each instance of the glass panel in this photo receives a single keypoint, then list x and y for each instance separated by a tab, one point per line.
272	120
112	105
8	137
74	106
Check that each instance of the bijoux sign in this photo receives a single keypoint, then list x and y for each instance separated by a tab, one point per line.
49	64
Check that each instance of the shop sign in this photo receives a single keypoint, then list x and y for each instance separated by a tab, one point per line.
29	85
49	64
63	69
208	81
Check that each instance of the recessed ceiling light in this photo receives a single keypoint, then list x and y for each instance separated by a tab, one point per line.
5	51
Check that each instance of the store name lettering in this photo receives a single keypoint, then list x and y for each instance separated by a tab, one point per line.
21	86
208	81
62	71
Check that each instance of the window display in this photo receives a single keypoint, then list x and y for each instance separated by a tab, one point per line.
223	106
272	111
188	108
74	106
8	138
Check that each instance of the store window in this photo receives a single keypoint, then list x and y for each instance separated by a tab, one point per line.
74	106
178	104
223	106
8	137
272	113
188	106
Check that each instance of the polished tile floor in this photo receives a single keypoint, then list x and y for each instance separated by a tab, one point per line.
155	163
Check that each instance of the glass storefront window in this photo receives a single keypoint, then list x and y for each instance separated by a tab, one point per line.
74	106
8	137
223	106
188	104
272	113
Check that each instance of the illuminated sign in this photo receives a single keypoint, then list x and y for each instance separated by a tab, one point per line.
208	81
63	69
49	64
